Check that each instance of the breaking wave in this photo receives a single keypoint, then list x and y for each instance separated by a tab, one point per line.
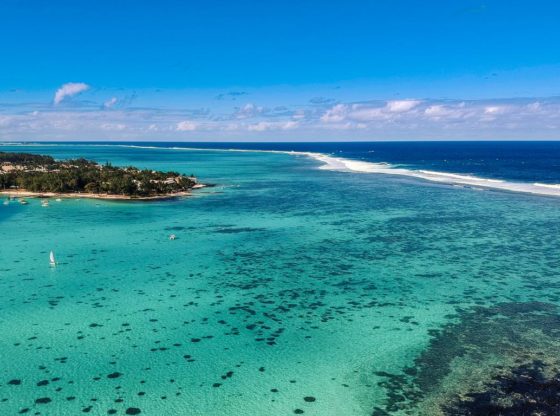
358	166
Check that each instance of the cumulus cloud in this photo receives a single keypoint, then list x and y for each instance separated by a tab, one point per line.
495	109
368	120
469	118
368	111
186	125
449	112
335	114
267	125
400	106
359	112
248	111
68	90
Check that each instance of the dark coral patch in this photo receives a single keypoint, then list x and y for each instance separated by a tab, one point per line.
524	379
43	400
526	391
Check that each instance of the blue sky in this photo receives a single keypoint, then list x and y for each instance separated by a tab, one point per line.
279	70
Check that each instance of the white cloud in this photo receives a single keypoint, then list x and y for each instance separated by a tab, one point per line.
336	114
6	121
113	126
368	111
248	111
266	125
288	125
405	119
110	103
362	113
436	111
401	106
536	106
186	126
68	90
495	109
449	112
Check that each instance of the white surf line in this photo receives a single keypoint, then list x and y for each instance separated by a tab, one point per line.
348	165
357	166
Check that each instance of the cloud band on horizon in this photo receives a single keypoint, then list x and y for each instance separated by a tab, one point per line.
312	119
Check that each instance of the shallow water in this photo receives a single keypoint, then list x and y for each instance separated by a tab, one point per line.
289	289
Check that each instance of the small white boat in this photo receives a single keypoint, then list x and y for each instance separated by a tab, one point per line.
7	202
58	199
52	260
44	203
23	201
172	237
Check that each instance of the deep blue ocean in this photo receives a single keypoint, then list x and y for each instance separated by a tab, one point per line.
521	161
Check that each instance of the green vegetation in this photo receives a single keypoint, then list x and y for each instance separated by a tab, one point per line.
37	173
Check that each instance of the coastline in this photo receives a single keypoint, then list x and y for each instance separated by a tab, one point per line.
358	166
340	164
20	193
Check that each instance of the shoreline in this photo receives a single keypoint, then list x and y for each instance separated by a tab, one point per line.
340	164
20	193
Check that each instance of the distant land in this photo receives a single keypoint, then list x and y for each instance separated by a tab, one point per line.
24	174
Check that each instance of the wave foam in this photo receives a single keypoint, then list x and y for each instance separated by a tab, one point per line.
348	165
358	166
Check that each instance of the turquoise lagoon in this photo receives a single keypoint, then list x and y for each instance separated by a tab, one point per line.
289	290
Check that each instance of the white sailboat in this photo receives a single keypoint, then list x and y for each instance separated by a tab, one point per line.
52	260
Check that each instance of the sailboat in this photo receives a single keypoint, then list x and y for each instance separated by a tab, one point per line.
52	260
